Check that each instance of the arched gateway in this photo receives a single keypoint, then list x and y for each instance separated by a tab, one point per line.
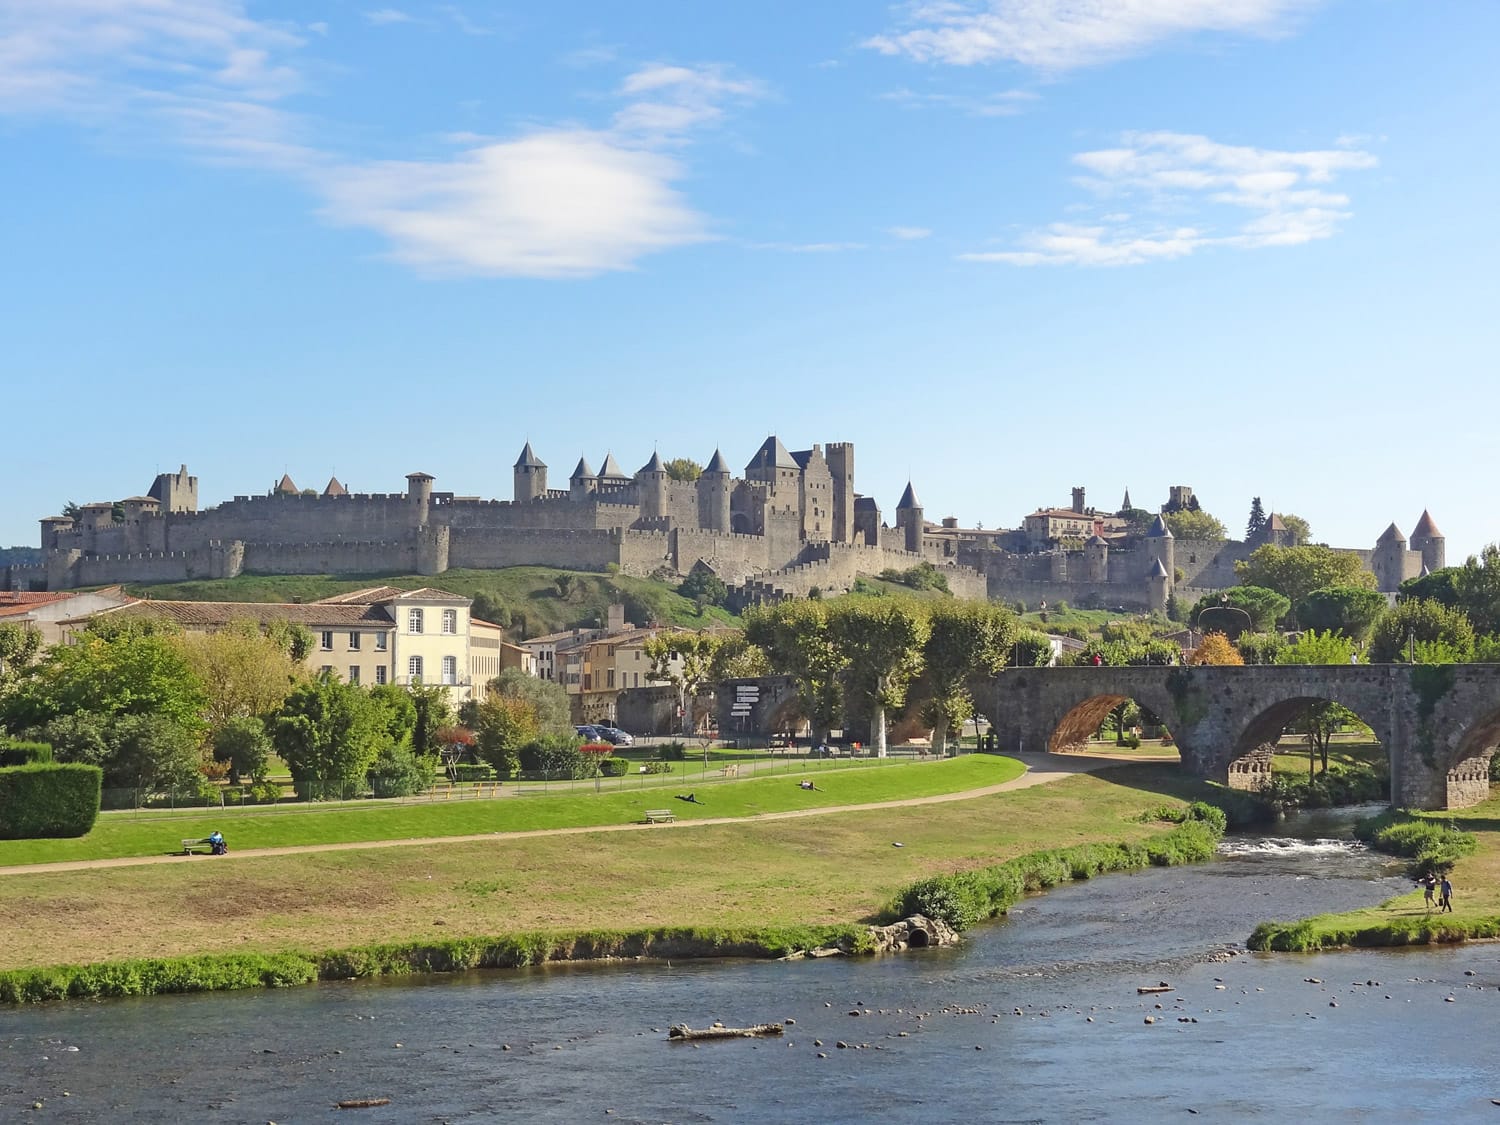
1439	724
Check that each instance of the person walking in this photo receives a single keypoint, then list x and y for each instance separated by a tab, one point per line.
1445	897
1429	885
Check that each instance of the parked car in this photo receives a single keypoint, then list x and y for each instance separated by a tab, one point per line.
590	733
615	736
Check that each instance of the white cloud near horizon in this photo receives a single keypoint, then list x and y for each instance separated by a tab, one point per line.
1065	34
1005	103
1271	198
552	202
908	234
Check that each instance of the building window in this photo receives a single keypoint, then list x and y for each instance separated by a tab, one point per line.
611	675
353	642
450	621
414	669
354	673
327	670
381	641
380	673
414	621
450	670
327	640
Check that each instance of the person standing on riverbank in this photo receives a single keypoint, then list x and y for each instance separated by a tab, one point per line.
1429	884
1445	897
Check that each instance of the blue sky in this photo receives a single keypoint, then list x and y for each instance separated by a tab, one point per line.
1004	246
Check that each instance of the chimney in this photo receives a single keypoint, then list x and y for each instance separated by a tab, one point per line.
615	623
1078	500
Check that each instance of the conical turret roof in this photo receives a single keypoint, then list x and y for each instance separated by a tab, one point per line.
335	488
717	464
1159	529
1425	528
1157	570
529	459
772	455
584	470
1125	505
611	470
1391	534
654	465
287	485
908	498
1097	540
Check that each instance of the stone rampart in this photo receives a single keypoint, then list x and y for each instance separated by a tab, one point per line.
494	548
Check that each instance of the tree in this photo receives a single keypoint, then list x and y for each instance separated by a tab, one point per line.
329	734
1319	723
1256	525
1031	649
431	711
18	650
1430	631
132	673
504	724
566	584
1263	608
881	641
1297	527
736	659
966	642
1260	648
1137	519
243	743
1350	610
1477	585
397	709
683	469
295	640
1314	647
796	639
684	660
1215	649
704	587
548	700
1191	523
151	752
1439	586
1295	572
244	673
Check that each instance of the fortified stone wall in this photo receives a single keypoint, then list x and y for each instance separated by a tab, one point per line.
733	558
343	557
494	548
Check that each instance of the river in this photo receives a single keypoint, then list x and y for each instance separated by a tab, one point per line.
1033	1018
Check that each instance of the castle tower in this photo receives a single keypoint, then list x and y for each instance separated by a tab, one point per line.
714	488
286	486
177	491
1125	505
1160	550
1057	564
581	484
1096	559
419	495
610	473
840	457
1078	495
1158	586
1388	560
52	527
909	519
335	488
1426	537
530	476
651	490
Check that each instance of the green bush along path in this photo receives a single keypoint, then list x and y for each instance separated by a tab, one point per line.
118	836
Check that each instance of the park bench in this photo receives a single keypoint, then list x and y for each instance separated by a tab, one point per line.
660	816
189	845
732	770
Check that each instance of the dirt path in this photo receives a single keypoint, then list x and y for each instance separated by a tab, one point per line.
1040	769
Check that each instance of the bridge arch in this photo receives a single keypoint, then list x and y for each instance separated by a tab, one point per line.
1464	757
1248	764
1082	718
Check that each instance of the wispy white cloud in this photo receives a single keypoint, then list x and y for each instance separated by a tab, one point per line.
1005	103
561	201
908	234
806	247
1064	34
384	17
1230	196
668	101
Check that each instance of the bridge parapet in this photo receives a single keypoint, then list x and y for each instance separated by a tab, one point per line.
1439	724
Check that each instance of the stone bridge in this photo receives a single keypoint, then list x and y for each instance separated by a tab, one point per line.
1439	724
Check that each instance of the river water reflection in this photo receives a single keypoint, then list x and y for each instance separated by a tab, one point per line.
939	1038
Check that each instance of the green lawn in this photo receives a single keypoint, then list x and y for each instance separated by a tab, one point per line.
117	835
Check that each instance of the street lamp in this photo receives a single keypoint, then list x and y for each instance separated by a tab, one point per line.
1231	615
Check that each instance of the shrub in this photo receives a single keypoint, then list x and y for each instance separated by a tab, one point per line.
471	773
657	767
266	792
558	756
1433	847
614	767
398	772
49	800
672	751
1131	742
14	752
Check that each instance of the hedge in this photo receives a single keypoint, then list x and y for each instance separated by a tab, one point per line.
49	800
14	752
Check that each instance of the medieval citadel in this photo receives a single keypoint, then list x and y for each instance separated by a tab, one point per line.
792	524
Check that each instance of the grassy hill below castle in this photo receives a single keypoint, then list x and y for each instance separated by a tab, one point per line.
529	600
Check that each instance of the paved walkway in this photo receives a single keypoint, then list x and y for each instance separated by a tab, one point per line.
1040	769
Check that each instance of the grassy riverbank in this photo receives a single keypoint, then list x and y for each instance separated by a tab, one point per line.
1405	920
756	878
368	822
